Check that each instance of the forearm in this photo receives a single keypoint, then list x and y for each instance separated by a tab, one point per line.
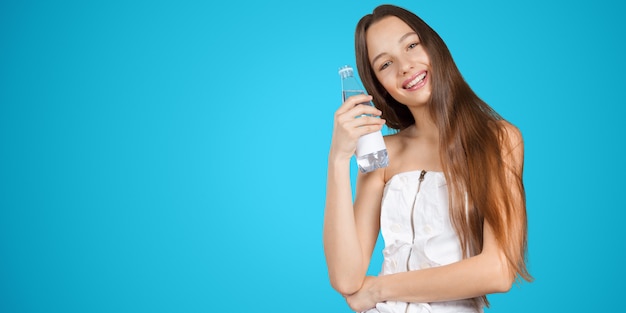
343	251
469	278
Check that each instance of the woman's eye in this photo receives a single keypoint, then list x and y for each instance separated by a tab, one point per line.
413	45
385	65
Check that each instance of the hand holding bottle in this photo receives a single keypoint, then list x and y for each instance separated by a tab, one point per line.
352	121
370	149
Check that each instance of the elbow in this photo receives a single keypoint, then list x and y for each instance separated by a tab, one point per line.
503	284
345	286
502	278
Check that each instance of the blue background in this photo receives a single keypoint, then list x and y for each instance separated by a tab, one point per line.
170	156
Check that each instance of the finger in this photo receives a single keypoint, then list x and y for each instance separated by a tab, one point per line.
364	110
358	111
360	128
365	121
351	102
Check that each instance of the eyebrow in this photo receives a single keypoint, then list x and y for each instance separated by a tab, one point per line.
399	41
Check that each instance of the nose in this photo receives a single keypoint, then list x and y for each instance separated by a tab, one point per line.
405	67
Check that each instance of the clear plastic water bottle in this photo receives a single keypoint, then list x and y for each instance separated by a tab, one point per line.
371	152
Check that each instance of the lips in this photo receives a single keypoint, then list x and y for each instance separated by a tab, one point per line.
415	82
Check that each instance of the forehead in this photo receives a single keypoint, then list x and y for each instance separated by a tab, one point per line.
385	33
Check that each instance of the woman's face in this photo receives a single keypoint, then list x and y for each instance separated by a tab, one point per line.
399	61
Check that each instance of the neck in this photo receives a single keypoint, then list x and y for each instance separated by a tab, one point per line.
424	124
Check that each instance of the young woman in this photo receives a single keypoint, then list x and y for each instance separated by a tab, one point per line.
450	205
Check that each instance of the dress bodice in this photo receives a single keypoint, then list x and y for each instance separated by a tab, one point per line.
415	224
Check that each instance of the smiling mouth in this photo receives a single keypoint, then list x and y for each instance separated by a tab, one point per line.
415	81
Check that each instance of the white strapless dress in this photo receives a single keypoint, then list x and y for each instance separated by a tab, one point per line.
416	228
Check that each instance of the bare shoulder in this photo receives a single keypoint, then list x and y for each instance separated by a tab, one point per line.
512	145
398	150
393	141
396	142
510	136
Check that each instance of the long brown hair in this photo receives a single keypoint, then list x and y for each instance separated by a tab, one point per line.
473	142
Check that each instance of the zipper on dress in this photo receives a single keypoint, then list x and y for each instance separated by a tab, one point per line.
408	261
419	186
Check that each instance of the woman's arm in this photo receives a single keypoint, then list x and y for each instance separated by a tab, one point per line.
350	231
476	276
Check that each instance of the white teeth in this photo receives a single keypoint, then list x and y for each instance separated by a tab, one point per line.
415	81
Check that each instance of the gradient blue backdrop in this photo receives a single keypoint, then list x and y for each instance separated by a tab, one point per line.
170	156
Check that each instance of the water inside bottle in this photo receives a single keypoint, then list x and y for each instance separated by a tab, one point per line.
349	93
372	161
